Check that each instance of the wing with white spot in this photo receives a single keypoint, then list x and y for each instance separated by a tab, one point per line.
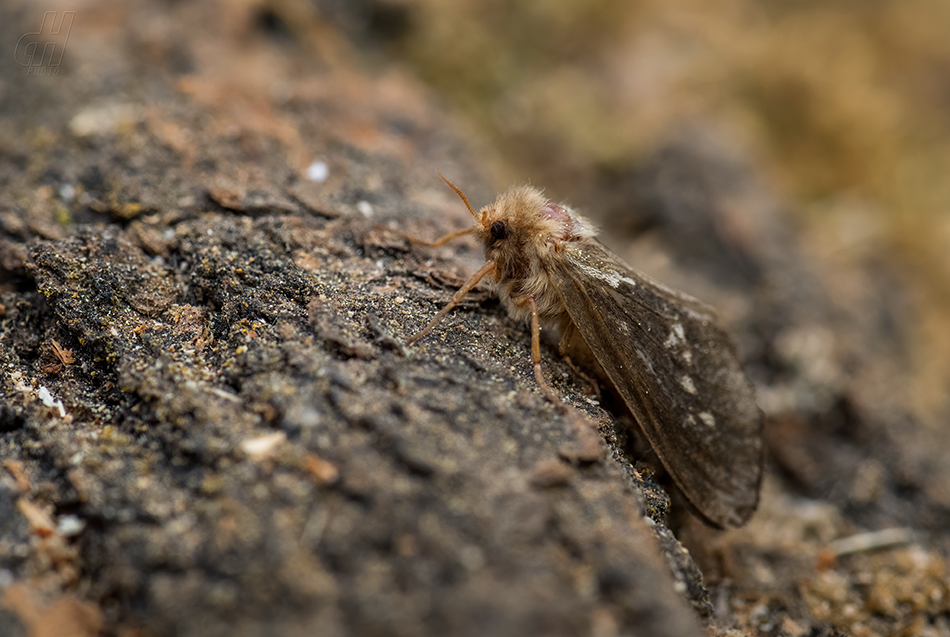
678	372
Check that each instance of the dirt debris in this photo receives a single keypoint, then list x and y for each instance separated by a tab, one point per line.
236	441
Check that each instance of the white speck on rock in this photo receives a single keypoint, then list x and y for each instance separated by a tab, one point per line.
318	171
69	525
49	401
365	208
263	446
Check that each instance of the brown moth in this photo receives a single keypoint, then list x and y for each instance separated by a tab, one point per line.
663	351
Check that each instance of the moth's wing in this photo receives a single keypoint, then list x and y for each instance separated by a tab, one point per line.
678	372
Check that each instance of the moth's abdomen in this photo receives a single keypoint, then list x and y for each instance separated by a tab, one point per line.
536	284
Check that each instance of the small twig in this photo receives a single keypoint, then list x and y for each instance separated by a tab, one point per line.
871	541
64	355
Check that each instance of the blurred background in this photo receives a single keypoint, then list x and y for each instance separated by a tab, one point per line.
170	113
845	106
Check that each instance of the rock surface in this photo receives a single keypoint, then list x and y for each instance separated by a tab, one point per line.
210	425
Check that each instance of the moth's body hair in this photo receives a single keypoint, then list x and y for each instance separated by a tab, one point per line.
539	232
661	350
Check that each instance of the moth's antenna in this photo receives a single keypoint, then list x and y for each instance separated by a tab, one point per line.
459	193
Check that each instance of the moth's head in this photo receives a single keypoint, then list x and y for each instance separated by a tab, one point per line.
523	218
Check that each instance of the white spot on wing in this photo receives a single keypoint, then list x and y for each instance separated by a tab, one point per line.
608	276
687	383
708	419
676	338
646	361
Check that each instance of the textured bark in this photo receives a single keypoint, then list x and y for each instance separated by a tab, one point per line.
210	425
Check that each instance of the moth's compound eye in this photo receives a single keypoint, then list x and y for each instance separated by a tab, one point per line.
499	230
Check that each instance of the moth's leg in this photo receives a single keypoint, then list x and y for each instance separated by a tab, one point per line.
473	280
536	351
564	342
564	347
438	243
568	332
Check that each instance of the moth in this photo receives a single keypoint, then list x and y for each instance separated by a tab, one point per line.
663	351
